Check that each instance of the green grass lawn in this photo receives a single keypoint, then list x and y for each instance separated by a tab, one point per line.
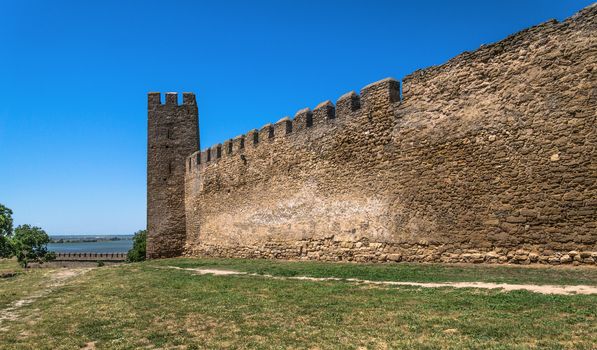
7	265
135	306
558	275
18	287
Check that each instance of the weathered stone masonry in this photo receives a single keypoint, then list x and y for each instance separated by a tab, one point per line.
489	157
172	134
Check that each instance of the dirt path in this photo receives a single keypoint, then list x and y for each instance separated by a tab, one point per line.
57	278
543	289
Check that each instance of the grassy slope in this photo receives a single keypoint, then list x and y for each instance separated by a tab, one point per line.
18	287
138	305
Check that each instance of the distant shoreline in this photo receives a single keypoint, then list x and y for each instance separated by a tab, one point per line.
59	239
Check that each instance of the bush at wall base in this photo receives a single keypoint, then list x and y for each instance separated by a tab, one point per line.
137	252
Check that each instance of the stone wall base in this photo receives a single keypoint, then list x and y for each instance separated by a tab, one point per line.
328	249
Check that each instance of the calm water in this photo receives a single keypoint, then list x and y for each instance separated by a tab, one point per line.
120	246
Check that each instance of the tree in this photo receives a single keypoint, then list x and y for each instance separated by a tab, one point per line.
137	252
30	245
6	249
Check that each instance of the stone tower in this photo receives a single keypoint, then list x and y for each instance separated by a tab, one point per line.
172	134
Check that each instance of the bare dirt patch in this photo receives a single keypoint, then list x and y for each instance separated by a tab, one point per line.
7	274
89	346
216	272
543	289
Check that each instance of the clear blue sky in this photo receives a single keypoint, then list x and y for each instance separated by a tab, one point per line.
74	77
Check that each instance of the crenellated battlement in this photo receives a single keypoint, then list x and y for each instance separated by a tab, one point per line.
154	99
304	120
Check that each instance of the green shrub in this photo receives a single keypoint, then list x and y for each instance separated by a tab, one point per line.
30	245
137	252
6	247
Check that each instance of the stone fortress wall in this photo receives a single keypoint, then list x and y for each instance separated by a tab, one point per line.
490	157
